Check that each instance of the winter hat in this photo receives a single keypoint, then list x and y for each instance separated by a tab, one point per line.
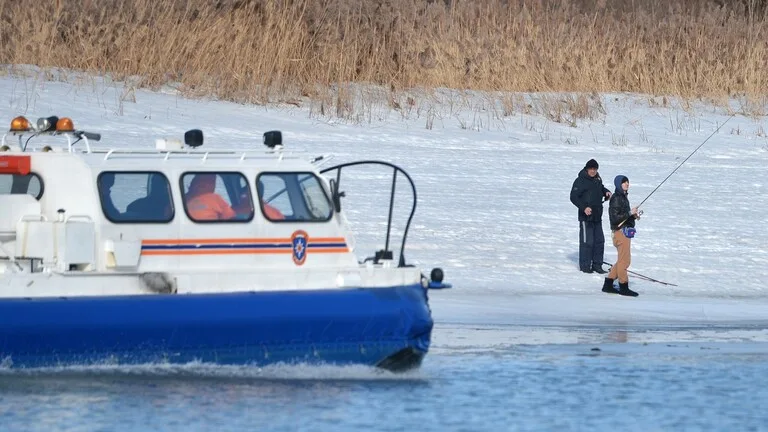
592	164
618	180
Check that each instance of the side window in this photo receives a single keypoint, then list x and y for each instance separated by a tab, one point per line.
273	197
13	184
135	197
293	197
318	204
217	196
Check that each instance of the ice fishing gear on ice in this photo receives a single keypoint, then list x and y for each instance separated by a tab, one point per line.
650	279
644	277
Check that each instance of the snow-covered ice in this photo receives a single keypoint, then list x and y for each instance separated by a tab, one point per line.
493	208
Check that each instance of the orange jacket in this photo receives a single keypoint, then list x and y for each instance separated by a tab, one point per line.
272	213
209	206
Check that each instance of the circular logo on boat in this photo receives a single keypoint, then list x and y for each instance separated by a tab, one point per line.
299	245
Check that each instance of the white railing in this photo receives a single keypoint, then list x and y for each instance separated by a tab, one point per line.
81	135
203	155
167	154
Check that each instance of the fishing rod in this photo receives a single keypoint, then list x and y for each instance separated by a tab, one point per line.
678	167
644	277
689	156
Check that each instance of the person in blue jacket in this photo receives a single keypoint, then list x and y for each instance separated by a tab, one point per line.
588	194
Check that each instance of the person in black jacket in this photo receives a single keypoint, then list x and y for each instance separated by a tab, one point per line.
622	219
587	194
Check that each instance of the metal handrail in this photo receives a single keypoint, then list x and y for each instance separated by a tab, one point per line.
396	170
80	135
204	155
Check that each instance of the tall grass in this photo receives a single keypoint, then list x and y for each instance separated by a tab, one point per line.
260	50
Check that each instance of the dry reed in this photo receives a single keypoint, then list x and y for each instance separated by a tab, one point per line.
267	50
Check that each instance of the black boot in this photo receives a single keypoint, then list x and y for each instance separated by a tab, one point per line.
608	287
625	291
598	269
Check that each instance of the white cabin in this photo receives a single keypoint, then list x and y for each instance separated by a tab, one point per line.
76	220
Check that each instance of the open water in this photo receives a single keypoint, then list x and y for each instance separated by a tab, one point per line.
476	377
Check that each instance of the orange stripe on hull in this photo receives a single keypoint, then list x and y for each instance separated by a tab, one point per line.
149	242
327	250
236	251
216	252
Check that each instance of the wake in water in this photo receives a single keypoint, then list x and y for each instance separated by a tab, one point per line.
203	371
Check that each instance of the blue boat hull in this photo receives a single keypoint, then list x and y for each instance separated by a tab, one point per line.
385	327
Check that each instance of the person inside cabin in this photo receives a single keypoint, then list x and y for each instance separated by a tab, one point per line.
244	204
107	181
269	211
157	204
203	203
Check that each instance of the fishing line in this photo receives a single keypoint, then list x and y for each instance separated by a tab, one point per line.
689	156
640	212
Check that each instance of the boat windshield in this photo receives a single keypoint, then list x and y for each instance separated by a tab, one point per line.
296	196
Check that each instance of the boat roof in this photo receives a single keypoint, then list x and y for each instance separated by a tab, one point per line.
170	152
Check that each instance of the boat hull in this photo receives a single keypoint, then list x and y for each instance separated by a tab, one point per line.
385	327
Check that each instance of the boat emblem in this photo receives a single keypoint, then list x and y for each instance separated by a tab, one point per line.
299	245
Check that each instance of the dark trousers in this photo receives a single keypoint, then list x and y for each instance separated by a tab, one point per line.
591	245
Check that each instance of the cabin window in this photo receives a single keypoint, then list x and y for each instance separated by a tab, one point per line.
291	196
15	184
135	197
217	197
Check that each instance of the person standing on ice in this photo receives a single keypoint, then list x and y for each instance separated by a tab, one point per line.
587	194
622	220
